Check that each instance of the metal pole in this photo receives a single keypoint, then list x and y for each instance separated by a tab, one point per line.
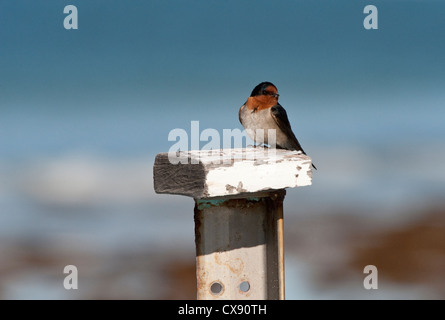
239	247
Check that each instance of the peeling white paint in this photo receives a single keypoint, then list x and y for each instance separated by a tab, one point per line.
268	170
257	177
224	172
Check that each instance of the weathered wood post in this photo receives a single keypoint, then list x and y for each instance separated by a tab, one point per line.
238	197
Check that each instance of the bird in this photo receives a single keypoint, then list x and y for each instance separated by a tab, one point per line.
262	111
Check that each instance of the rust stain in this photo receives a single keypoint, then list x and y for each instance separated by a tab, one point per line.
201	276
235	265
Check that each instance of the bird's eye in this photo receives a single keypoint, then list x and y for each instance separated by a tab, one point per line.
267	93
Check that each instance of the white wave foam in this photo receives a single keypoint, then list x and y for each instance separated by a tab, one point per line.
75	180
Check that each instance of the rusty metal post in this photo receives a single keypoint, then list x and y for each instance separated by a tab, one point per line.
238	216
239	247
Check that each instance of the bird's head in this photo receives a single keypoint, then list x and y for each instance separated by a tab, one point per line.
263	96
265	89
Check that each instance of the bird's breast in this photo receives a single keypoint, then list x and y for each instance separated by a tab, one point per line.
258	124
258	119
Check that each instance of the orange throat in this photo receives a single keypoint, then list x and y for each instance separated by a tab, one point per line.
258	103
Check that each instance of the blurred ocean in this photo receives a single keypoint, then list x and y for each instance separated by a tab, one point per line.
83	114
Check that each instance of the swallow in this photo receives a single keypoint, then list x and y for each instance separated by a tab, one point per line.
262	111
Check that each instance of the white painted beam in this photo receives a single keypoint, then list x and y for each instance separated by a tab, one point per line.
221	173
